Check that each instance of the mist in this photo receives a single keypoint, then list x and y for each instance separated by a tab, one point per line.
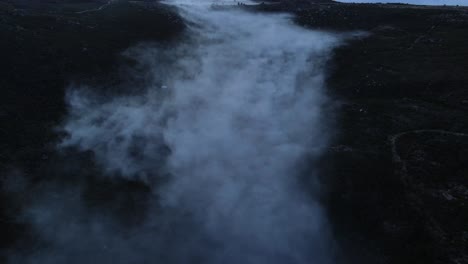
229	124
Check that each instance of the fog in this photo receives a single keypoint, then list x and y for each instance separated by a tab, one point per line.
226	133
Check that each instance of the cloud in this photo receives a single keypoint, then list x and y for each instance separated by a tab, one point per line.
227	120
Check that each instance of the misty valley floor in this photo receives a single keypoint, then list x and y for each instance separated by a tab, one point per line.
396	174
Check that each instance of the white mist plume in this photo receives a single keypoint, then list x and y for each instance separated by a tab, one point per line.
231	115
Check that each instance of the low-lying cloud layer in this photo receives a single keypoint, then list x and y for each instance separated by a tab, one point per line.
220	137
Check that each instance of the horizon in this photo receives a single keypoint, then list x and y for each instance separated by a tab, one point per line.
413	2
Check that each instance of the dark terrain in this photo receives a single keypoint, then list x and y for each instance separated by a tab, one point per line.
396	175
44	48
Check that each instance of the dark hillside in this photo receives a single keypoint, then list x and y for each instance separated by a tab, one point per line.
42	51
398	175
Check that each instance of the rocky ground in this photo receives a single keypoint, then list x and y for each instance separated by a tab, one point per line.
396	175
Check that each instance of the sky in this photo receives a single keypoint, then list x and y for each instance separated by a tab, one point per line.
420	2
